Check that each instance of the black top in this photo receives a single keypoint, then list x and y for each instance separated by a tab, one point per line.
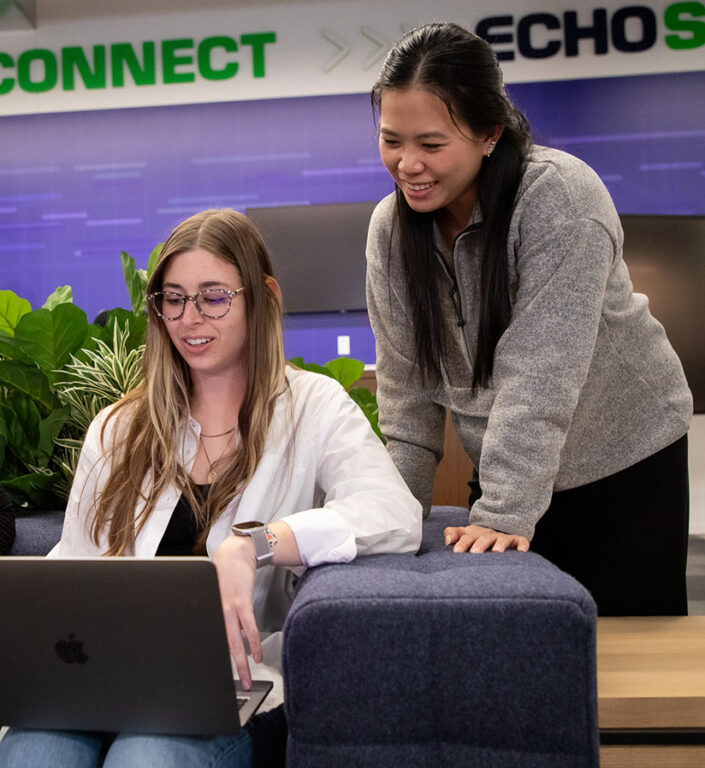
180	536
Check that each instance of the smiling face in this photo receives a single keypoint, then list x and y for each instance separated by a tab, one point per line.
434	162
209	347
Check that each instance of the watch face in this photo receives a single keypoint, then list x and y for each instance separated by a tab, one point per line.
249	525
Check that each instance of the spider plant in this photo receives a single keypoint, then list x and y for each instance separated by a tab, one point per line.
87	384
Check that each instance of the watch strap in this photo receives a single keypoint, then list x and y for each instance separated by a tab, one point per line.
261	537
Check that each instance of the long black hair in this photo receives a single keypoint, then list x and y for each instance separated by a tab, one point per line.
462	70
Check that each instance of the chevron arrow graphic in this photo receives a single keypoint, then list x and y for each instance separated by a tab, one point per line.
337	42
382	46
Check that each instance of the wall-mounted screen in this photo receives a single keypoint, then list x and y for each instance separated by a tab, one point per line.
666	260
318	253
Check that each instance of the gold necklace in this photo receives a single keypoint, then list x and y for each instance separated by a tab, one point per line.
221	434
212	474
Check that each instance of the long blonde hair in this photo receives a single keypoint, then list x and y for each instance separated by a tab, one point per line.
157	410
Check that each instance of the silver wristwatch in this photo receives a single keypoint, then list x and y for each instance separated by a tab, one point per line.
261	536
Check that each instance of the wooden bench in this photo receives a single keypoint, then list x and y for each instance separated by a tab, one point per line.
651	691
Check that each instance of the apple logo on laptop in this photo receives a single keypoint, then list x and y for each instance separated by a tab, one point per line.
71	650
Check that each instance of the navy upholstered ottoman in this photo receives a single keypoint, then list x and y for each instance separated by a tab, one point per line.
37	533
441	659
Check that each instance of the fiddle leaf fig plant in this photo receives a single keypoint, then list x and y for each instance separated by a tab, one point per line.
39	350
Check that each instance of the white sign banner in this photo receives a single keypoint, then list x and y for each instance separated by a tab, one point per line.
320	48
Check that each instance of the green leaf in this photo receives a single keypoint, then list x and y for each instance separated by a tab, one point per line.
93	334
9	466
12	308
49	430
27	381
98	377
346	370
108	372
49	337
136	326
3	442
62	295
154	259
314	367
368	404
11	350
38	489
136	281
21	418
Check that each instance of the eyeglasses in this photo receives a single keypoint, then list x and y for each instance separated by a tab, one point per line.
212	304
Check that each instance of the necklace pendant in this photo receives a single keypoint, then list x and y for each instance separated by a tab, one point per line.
212	475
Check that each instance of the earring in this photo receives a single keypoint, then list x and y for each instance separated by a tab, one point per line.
490	149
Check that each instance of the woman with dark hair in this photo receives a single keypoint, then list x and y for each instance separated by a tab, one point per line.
497	290
224	451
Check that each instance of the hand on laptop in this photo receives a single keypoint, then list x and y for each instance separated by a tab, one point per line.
236	563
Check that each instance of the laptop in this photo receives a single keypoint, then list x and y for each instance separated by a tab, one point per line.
118	644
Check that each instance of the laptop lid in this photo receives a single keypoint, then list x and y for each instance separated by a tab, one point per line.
117	644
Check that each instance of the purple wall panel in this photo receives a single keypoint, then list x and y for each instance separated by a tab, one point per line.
78	188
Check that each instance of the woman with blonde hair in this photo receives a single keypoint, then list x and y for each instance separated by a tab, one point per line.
225	451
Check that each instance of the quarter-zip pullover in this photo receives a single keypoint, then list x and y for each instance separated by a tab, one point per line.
585	382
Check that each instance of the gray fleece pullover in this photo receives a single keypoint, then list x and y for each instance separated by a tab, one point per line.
585	381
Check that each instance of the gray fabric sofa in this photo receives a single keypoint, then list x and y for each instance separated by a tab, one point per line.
431	660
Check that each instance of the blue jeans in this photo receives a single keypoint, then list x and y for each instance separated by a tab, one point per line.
83	749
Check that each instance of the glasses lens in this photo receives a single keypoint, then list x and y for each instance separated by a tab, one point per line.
213	303
169	305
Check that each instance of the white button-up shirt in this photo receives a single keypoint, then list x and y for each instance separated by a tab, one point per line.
323	471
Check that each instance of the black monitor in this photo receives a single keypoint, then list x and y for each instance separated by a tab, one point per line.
666	260
318	252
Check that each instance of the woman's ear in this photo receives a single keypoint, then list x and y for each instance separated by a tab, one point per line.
273	286
494	134
491	139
